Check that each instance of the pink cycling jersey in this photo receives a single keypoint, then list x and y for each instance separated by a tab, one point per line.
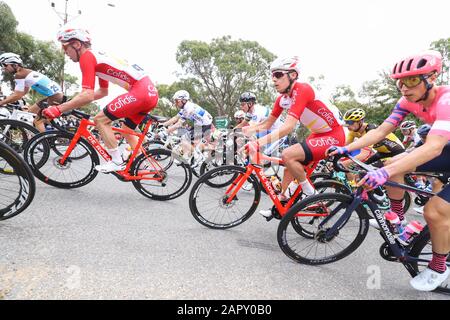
437	115
312	113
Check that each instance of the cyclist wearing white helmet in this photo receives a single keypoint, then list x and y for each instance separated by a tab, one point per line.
133	106
26	79
239	116
202	120
299	101
410	137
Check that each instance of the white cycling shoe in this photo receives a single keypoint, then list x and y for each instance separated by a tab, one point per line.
110	166
265	213
429	280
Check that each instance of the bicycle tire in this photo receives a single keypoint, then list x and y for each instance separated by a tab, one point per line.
286	238
161	155
49	171
18	187
22	131
422	247
201	196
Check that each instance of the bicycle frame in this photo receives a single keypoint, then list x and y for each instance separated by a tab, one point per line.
83	132
267	185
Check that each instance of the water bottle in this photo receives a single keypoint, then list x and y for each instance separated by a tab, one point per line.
291	188
410	232
276	184
394	221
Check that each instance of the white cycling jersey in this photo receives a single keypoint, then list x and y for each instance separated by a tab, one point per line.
261	113
39	83
195	113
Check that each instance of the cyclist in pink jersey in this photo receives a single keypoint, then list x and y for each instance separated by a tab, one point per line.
298	99
141	96
416	77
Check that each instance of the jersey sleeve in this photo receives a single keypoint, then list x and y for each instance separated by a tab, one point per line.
302	95
103	83
441	126
277	109
87	66
20	85
398	115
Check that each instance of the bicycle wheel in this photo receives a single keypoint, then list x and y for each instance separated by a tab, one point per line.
76	172
322	248
176	176
422	249
209	205
16	133
17	185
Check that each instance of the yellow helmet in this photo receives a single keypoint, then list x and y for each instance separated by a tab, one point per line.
355	114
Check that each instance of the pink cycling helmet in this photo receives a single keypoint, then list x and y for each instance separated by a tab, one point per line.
422	63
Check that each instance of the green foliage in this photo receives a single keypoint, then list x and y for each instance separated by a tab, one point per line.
443	46
224	69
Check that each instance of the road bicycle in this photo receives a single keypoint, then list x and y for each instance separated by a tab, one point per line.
341	224
17	184
67	160
219	201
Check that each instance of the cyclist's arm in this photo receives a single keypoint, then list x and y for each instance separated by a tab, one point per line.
100	93
265	125
372	137
178	124
15	96
171	121
284	130
244	123
431	149
85	97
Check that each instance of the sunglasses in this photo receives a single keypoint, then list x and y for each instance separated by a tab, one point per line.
279	74
349	122
411	82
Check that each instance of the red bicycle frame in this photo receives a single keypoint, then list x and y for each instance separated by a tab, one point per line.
83	132
255	166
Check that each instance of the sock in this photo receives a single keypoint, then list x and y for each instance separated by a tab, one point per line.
116	156
397	207
438	262
307	188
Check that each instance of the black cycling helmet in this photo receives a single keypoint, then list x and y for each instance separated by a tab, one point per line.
423	130
247	97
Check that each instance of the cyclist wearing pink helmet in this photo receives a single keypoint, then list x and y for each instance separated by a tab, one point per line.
416	77
140	98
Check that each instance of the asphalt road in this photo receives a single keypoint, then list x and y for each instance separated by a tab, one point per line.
106	241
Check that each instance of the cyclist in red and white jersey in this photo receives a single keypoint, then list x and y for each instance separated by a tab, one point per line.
416	77
300	102
141	96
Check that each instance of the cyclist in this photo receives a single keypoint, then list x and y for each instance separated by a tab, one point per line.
26	79
416	77
239	117
202	124
410	136
300	102
141	96
389	147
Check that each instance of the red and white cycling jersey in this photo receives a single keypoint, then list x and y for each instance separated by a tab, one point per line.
312	113
108	69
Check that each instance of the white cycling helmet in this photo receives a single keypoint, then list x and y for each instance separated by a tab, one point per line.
285	64
181	95
10	58
406	125
239	114
66	35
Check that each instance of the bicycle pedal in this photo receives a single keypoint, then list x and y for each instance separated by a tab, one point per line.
269	218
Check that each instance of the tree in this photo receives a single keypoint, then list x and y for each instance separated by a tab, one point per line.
443	46
8	24
226	68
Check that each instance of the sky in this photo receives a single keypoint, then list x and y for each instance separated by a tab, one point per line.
346	41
